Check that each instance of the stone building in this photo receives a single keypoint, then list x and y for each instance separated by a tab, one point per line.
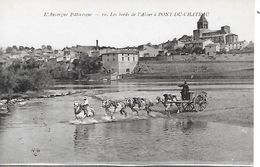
120	61
239	45
222	36
198	44
212	49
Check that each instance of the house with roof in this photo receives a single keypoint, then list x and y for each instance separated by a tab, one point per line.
120	61
91	51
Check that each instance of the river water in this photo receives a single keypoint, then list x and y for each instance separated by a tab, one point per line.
40	132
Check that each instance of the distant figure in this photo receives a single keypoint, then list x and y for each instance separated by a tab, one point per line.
185	95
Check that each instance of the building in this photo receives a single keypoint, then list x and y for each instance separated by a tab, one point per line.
149	51
179	44
222	36
224	48
120	61
198	44
212	49
185	39
91	51
249	47
239	45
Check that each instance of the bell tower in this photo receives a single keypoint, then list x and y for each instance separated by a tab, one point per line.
202	23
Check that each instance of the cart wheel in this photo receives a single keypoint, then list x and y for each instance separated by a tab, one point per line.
200	103
187	106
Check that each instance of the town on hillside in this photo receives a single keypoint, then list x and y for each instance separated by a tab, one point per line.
79	62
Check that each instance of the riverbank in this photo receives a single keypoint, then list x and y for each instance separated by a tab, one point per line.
22	98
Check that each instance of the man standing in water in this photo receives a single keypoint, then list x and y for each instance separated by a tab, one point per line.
185	95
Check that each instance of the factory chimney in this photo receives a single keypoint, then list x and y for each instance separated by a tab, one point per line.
97	47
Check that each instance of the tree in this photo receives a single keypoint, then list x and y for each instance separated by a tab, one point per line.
40	79
87	65
15	47
49	47
1	51
9	49
43	47
7	81
16	65
31	64
21	48
198	50
186	50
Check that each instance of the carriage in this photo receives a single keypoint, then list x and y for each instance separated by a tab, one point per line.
197	101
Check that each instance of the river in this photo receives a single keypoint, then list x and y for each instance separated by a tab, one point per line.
40	132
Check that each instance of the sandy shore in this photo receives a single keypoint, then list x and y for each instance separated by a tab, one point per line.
225	106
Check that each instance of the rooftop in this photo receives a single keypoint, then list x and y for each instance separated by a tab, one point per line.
212	44
83	48
202	18
238	42
121	52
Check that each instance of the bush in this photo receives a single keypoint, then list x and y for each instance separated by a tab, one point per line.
23	84
24	80
40	79
7	81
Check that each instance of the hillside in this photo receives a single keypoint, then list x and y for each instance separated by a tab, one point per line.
222	67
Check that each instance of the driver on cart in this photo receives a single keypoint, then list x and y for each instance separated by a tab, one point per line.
185	95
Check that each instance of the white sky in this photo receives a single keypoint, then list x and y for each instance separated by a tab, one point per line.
22	21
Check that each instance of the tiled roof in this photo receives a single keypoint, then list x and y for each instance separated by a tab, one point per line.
202	18
232	34
122	52
213	44
83	48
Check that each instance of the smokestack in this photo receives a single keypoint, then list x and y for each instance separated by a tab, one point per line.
97	44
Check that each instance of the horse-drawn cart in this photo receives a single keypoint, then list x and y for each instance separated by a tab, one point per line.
197	102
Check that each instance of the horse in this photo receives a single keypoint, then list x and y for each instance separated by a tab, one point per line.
167	100
108	104
81	112
142	103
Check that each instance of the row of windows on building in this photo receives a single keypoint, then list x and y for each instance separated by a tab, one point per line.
123	59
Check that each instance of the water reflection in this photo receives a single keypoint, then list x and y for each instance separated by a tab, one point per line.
81	135
188	125
133	135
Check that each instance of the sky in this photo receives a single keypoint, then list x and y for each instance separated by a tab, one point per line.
22	22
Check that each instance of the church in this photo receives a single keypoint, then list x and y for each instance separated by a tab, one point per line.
222	36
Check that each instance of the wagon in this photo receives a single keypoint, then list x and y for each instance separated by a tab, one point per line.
197	102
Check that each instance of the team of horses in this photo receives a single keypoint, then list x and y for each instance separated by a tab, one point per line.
135	104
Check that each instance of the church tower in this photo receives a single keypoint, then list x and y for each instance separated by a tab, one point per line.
202	26
202	23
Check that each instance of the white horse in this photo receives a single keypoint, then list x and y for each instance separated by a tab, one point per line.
81	112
